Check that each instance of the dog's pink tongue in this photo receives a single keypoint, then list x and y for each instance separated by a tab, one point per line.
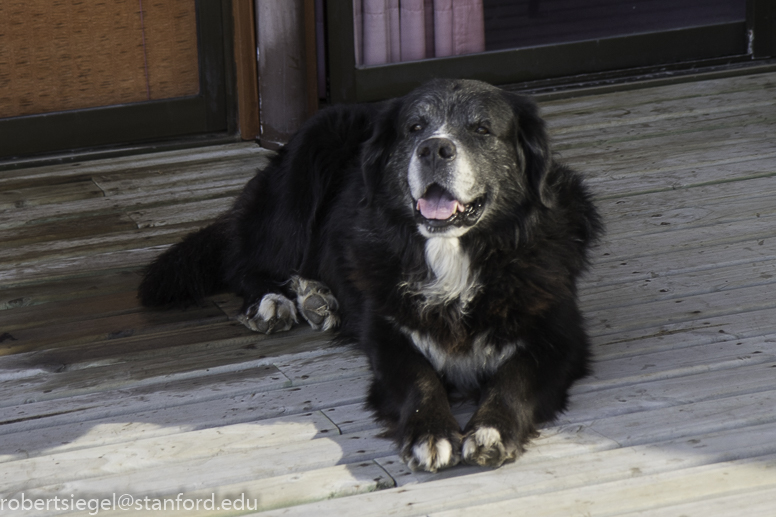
438	204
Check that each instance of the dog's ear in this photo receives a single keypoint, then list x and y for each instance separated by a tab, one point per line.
533	141
377	150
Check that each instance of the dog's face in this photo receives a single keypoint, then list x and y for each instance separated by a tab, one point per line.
457	152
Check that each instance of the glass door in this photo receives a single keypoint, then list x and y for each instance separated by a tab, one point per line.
527	23
522	41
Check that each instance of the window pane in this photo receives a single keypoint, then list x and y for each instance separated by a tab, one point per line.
527	23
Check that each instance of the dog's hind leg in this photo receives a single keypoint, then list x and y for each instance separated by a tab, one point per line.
316	303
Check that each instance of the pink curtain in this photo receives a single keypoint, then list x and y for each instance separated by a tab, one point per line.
390	31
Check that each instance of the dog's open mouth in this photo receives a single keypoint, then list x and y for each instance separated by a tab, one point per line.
439	209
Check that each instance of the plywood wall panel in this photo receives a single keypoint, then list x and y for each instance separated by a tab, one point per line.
58	55
171	48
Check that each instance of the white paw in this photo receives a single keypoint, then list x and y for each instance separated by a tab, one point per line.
485	447
274	313
432	454
316	303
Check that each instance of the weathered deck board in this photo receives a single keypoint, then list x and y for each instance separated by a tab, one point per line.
103	432
731	94
42	195
534	488
52	291
175	160
99	396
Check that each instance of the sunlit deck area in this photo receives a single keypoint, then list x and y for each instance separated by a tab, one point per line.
101	398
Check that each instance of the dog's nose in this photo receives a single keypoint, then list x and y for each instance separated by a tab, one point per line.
434	148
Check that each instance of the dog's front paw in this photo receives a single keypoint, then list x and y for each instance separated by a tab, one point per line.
274	313
484	446
432	453
316	303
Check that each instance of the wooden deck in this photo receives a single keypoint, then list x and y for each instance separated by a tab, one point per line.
102	398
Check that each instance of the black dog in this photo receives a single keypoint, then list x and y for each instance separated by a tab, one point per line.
436	231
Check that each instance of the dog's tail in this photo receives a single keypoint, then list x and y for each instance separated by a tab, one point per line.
190	270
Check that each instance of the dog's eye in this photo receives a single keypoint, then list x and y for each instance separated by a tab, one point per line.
415	128
482	130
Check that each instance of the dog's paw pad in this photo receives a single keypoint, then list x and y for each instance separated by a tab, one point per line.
484	447
431	454
274	313
316	303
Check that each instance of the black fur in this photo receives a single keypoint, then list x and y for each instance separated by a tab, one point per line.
339	205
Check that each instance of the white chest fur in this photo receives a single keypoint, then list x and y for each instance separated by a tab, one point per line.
453	276
462	370
454	281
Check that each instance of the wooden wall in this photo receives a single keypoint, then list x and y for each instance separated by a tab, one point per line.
58	55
